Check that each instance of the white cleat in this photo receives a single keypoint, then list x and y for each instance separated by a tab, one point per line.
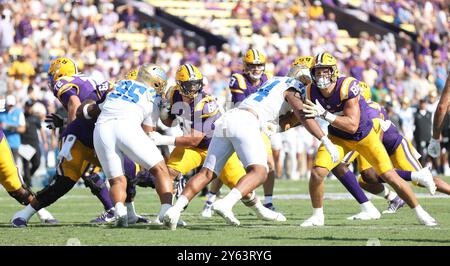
426	180
122	221
315	220
171	218
364	215
207	211
225	211
426	219
269	215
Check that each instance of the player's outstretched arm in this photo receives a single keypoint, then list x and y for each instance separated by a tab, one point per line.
348	122
434	148
72	107
442	109
293	97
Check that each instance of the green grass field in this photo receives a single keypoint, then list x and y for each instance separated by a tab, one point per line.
79	206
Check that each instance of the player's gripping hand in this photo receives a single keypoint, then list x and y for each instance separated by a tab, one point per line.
54	121
159	139
270	128
313	110
434	148
331	148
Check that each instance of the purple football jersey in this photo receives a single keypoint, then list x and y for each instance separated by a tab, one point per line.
346	88
80	85
83	130
241	87
203	112
391	137
1	134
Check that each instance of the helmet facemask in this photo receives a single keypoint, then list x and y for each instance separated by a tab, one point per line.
254	71
322	76
191	88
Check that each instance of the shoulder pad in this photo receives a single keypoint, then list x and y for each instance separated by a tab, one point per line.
349	88
208	106
62	86
238	82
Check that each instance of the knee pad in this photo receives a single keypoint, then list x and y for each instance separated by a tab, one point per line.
58	188
22	195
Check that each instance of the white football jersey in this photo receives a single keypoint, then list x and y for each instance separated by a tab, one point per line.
268	101
131	101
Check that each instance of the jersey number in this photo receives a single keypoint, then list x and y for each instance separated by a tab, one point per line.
125	90
264	90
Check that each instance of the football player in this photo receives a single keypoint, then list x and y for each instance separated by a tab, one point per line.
336	99
402	154
77	158
239	130
241	86
10	180
198	112
72	88
127	115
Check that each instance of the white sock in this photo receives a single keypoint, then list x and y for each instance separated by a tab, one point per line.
233	197
267	199
130	208
211	198
391	196
27	212
120	209
384	193
318	211
181	203
419	210
44	214
367	206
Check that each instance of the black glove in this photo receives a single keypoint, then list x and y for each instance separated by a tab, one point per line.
54	121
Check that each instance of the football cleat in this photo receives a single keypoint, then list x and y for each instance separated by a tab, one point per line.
426	219
365	215
394	205
269	215
171	217
137	219
19	222
207	211
315	220
270	206
221	208
122	221
46	217
105	217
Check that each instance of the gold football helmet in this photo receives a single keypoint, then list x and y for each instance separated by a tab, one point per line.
301	69
190	80
132	74
60	67
153	76
324	60
254	63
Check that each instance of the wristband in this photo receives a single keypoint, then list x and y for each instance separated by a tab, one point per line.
329	117
85	112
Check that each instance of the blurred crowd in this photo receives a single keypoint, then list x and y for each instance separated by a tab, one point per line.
87	30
